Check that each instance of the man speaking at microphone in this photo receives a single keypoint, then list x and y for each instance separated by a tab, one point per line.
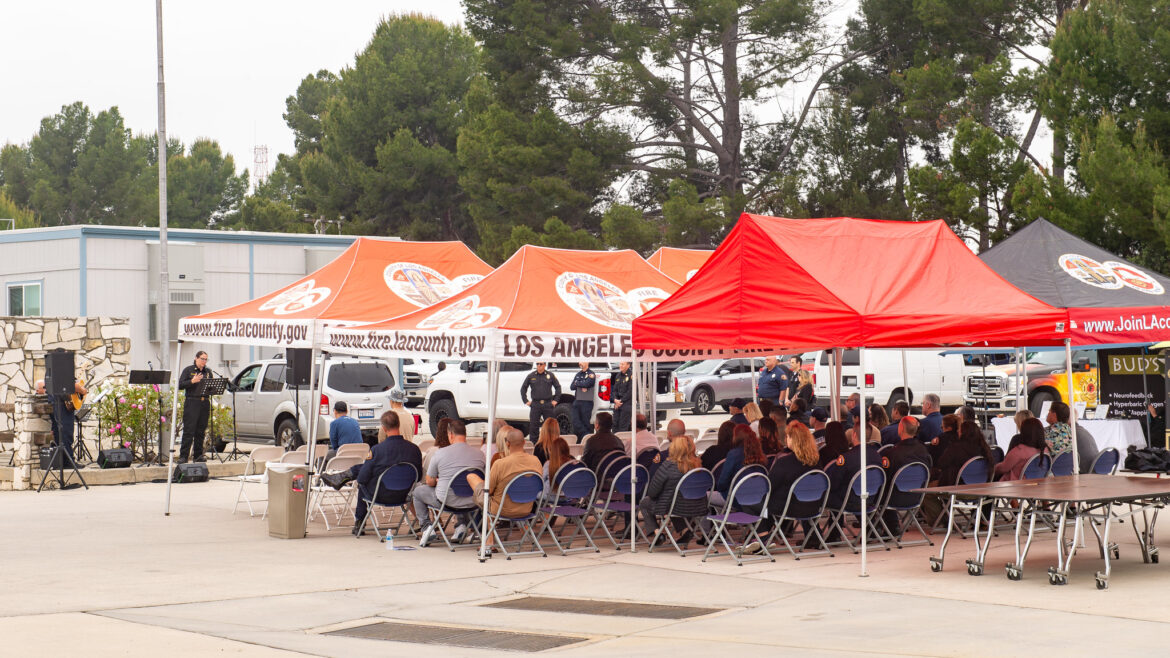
196	408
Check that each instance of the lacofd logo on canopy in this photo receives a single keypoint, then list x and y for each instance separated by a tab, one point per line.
463	314
1110	275
604	303
296	299
423	286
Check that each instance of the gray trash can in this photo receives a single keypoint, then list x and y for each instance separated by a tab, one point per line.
288	495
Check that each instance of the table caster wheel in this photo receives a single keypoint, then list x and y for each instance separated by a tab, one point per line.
935	565
974	568
1013	573
1154	556
1102	584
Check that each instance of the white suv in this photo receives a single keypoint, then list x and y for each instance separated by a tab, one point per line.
265	404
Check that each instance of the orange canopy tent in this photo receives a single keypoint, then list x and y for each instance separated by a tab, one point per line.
679	264
554	304
371	280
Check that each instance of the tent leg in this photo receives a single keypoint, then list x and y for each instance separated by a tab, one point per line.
489	445
1072	417
633	524
174	413
861	441
315	375
905	379
755	382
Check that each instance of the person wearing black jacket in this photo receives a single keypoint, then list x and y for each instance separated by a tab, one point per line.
394	450
621	392
546	390
583	384
196	408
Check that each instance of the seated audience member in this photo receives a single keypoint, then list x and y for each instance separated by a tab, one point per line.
931	424
446	463
770	440
950	433
1019	418
848	465
644	438
441	441
718	452
343	429
766	407
550	431
786	470
1087	450
1031	443
559	456
819	419
968	445
735	408
779	414
909	449
877	418
890	431
660	492
746	451
602	442
394	450
1059	433
751	411
836	444
966	414
500	449
515	463
798	411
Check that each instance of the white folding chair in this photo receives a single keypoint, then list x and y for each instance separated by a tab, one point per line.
340	500
354	450
252	474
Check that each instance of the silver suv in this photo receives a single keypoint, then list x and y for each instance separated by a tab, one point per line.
265	406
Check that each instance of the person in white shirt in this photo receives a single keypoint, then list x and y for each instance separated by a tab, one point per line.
644	437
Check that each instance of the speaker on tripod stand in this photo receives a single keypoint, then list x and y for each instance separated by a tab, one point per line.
59	383
298	363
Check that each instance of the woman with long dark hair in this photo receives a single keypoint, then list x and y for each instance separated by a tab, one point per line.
718	452
1032	443
836	443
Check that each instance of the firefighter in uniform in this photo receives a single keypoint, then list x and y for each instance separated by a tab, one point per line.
546	390
621	393
583	384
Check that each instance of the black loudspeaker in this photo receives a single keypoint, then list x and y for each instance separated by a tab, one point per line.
115	458
59	377
193	472
298	363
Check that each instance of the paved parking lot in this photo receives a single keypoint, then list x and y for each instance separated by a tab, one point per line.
103	572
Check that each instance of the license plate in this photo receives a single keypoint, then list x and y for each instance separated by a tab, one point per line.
365	413
850	380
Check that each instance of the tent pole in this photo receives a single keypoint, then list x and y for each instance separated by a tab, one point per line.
905	379
1072	417
833	384
174	411
315	371
633	458
1024	379
1145	393
755	382
861	439
838	375
488	447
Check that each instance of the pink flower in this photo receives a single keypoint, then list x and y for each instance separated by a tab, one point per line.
118	426
155	387
163	418
111	430
121	400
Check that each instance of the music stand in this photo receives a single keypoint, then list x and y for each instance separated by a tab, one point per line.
80	450
235	451
156	378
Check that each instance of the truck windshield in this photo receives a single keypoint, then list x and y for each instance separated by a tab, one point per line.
699	367
360	377
1055	357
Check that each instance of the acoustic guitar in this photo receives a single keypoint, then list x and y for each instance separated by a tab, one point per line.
76	399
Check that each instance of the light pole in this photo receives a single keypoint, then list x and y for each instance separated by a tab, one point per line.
164	304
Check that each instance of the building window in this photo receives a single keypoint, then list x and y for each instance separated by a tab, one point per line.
24	299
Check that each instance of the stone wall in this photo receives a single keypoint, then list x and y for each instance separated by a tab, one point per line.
33	428
101	349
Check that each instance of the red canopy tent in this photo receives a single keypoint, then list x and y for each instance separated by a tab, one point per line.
791	284
679	264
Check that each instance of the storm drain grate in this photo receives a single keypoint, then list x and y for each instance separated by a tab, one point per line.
603	608
474	638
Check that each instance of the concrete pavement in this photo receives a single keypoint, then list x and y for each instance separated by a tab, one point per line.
105	573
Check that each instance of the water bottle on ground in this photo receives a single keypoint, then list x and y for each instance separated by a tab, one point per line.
389	540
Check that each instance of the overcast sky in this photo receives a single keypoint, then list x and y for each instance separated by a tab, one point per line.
229	65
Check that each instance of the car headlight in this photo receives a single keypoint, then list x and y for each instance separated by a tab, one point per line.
1010	387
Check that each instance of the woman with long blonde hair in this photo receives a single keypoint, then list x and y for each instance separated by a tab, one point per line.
681	460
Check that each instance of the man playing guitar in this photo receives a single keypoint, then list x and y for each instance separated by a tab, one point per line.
64	418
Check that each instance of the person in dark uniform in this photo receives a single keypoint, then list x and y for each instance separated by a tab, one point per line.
622	393
773	381
545	391
583	384
196	409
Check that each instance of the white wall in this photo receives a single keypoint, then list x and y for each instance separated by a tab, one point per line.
56	263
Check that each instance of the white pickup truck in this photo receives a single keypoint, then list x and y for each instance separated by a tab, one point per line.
265	407
462	392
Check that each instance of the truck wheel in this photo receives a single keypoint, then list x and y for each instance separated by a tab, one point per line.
1038	401
564	414
284	433
703	401
440	410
